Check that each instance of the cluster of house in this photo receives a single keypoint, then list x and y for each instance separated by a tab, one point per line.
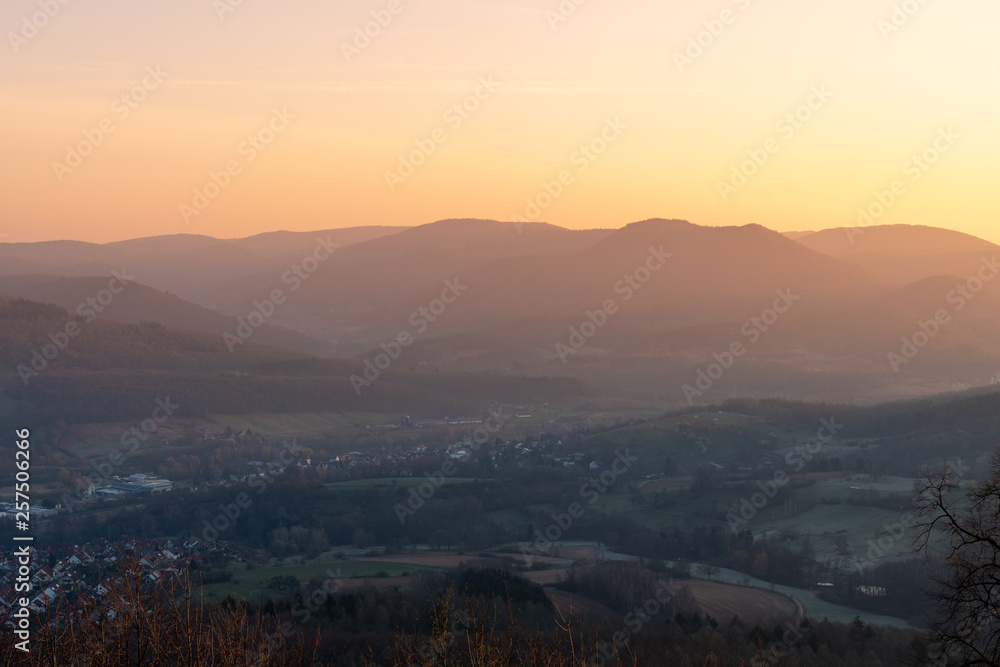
398	459
545	451
92	569
230	435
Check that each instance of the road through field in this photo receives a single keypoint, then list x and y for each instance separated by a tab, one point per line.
814	607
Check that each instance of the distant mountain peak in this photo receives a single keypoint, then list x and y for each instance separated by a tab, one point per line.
898	239
660	223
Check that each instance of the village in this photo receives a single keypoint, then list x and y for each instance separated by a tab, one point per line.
89	571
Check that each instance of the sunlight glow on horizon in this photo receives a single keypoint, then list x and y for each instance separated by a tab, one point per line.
556	88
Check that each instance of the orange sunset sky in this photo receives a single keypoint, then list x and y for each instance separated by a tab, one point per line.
898	78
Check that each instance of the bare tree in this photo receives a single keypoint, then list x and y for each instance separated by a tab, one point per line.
964	521
161	623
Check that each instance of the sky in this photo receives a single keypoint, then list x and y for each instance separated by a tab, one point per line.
133	118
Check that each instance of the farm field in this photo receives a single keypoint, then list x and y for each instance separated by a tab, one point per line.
721	601
574	605
724	601
392	483
814	607
545	577
427	560
666	484
826	525
887	483
246	582
322	569
434	559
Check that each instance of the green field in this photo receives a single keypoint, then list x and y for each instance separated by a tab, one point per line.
299	423
324	569
246	582
391	483
692	440
887	486
826	524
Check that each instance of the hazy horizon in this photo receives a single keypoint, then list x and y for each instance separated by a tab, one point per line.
499	332
872	88
794	234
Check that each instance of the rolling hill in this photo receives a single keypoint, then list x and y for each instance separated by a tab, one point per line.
197	268
57	367
903	254
139	303
642	311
